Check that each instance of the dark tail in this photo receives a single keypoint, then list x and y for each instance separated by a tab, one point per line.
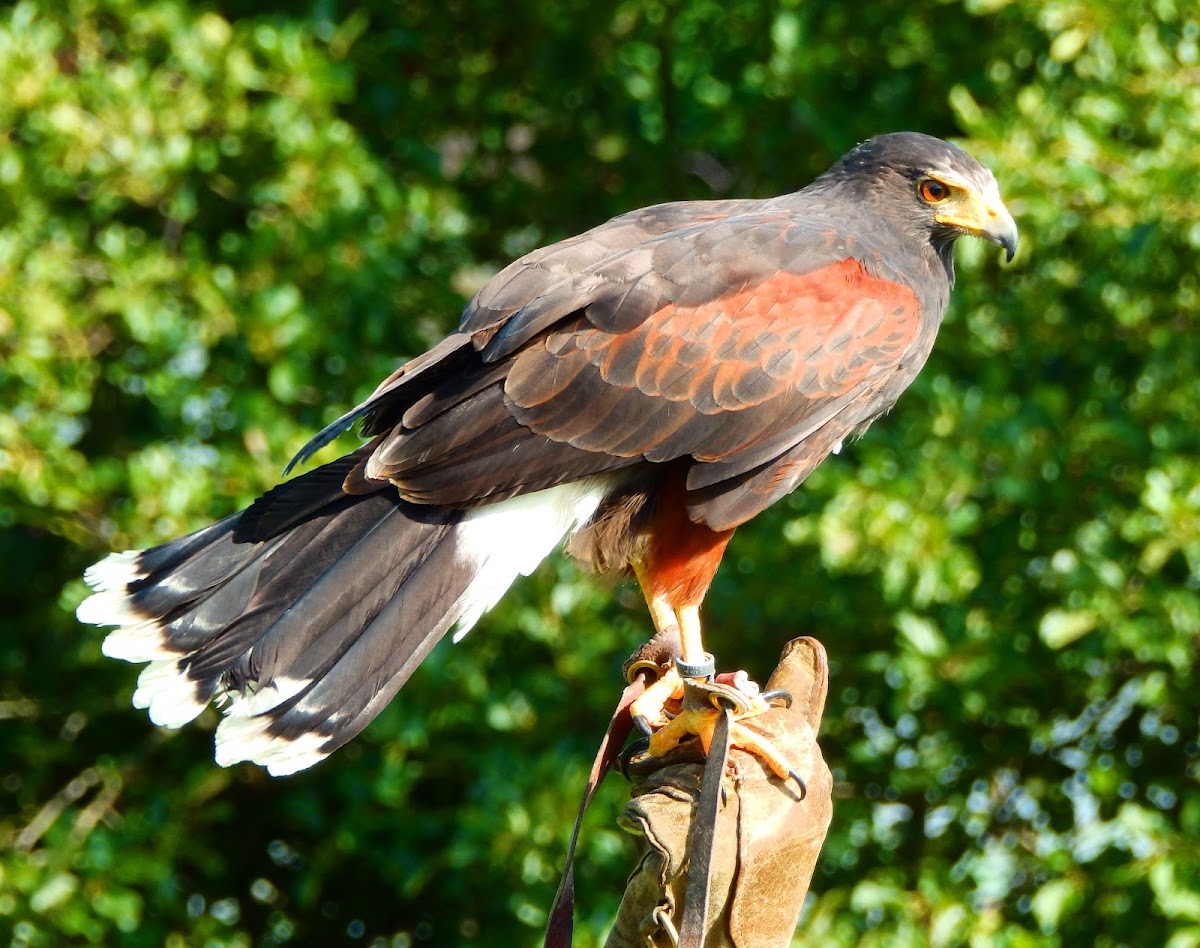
308	610
308	629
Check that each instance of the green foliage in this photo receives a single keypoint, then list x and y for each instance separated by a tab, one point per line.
220	225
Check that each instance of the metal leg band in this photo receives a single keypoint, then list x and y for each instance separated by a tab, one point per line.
704	669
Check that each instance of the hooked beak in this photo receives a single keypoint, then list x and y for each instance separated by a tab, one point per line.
984	215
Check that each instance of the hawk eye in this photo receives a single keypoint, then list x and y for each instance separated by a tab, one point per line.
932	191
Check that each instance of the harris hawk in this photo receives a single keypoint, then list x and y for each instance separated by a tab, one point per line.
638	391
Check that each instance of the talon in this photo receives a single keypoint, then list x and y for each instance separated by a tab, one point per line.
650	707
703	704
684	702
780	694
628	753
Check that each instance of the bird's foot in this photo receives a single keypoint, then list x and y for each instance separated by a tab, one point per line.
675	709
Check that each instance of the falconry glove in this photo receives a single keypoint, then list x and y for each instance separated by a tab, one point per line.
766	836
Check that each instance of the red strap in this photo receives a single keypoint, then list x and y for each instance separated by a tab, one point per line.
560	927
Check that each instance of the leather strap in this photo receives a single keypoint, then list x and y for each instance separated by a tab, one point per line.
693	925
561	924
642	668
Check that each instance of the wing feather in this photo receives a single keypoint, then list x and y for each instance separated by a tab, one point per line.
727	333
775	353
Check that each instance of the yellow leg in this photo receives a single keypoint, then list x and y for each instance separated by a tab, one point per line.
673	581
685	620
661	611
665	618
691	645
669	690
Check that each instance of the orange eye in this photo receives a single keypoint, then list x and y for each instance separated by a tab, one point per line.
932	191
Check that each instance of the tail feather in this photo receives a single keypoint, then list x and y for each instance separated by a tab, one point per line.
301	631
310	627
293	502
330	709
321	574
188	575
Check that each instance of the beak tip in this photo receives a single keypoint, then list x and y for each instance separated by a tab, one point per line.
1000	228
1005	238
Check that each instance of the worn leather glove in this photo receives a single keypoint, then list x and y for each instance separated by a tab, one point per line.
766	841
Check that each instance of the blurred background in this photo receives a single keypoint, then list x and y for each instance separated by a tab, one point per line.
222	223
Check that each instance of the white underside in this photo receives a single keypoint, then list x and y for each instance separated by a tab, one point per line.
500	542
511	538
